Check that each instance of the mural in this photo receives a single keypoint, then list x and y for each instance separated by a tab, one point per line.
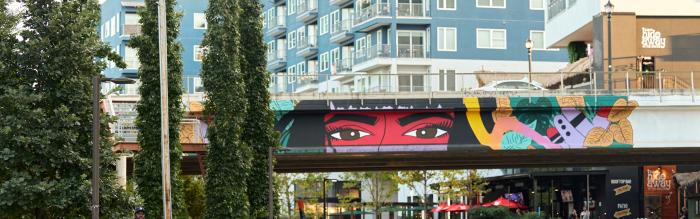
502	123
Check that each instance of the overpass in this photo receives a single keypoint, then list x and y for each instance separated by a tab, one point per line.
637	122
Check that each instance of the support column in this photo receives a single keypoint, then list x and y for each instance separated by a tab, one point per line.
121	171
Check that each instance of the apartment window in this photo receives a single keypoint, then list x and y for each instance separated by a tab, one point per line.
301	37
491	3
131	58
537	38
301	68
198	53
334	19
411	82
197	84
536	4
491	38
447	80
131	19
292	72
291	9
291	43
324	62
447	4
447	39
324	25
200	21
334	58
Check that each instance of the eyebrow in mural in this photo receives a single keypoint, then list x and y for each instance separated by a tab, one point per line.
420	116
370	120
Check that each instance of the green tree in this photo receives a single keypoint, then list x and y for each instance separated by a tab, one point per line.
147	162
462	183
46	113
259	130
194	196
381	186
228	160
348	200
309	187
284	183
418	180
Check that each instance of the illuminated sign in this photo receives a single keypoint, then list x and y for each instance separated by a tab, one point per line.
652	39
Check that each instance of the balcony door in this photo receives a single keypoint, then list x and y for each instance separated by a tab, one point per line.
411	44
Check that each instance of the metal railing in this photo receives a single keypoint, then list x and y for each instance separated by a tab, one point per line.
276	56
276	21
412	51
374	10
411	10
307	41
341	26
555	7
345	65
375	51
307	5
132	29
662	84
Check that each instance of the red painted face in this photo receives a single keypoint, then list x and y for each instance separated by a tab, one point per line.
387	128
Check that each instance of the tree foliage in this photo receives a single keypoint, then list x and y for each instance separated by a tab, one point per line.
462	183
194	196
259	130
309	187
418	181
147	162
284	183
46	113
381	186
228	159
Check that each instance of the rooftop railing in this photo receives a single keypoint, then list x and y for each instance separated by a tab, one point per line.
451	84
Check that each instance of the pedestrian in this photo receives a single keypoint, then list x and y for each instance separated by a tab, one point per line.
684	213
585	214
139	213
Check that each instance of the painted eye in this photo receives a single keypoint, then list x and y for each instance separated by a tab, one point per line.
349	134
429	132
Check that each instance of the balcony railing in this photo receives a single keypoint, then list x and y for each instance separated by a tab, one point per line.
412	51
345	65
276	56
307	41
374	10
276	21
378	51
411	10
132	30
306	5
132	62
341	26
556	7
663	86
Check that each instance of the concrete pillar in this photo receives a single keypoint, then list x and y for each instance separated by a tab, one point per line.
121	171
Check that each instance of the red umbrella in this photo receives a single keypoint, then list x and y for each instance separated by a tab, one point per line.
440	208
458	208
505	203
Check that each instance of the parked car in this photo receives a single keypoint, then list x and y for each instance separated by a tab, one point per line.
510	85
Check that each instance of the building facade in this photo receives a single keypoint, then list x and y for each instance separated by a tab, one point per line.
313	45
120	21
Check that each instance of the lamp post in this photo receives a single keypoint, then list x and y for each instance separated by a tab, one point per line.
96	80
529	45
325	214
609	10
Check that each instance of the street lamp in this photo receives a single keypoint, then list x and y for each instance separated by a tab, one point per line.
609	10
325	214
270	168
529	45
96	80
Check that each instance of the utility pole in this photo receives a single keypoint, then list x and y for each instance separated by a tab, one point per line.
164	129
96	147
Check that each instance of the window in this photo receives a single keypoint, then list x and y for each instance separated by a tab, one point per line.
131	19
536	4
447	39
292	42
200	21
491	38
131	58
409	82
447	4
301	37
447	80
197	84
291	74
291	8
491	3
324	25
324	62
301	68
537	38
334	58
335	19
198	53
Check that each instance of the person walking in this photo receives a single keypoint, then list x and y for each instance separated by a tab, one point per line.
139	213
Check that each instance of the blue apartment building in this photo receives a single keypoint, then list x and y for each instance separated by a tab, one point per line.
401	45
119	22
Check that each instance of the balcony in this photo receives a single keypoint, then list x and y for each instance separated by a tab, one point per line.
340	3
412	10
307	82
276	27
372	17
372	57
306	47
308	11
341	32
276	61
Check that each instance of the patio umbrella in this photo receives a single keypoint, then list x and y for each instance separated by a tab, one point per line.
442	207
504	203
458	207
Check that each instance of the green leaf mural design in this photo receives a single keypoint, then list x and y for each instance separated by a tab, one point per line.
541	111
516	141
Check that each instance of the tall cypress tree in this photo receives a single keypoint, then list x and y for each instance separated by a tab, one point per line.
46	113
259	127
147	162
228	158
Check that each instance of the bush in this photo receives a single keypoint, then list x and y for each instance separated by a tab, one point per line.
533	215
194	196
491	213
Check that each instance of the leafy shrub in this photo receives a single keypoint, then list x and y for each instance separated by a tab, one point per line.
491	213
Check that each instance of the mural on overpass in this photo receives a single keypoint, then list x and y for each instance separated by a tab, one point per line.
503	123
